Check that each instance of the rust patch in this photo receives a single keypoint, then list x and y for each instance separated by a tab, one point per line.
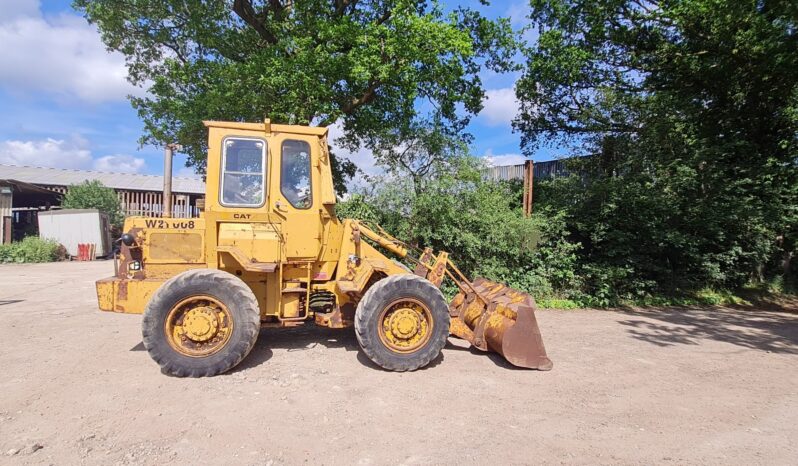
121	293
495	317
128	254
339	317
438	272
426	258
348	312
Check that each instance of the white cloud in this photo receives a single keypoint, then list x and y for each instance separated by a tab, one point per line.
48	152
501	160
61	55
18	8
362	158
60	153
500	106
119	163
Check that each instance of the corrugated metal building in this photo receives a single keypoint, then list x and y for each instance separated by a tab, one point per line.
138	194
527	172
541	170
26	190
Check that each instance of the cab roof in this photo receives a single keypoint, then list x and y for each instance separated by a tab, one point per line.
267	127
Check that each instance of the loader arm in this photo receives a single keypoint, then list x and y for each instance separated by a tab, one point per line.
489	315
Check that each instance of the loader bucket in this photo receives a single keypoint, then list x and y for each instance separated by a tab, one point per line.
495	317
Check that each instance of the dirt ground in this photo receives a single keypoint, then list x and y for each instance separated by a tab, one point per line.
701	386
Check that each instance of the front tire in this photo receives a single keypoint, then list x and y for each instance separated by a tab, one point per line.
402	322
201	323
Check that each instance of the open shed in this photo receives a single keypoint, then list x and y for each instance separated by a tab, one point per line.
20	203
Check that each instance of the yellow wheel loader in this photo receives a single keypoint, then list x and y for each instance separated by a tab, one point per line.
267	250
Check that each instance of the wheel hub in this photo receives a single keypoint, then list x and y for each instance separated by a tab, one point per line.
406	326
405	323
200	324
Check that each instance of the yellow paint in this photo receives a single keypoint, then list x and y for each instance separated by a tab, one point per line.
127	296
198	326
175	247
406	326
284	244
105	294
269	246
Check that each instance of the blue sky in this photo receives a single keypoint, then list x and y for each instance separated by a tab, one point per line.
63	97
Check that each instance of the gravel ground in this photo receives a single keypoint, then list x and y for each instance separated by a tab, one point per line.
674	386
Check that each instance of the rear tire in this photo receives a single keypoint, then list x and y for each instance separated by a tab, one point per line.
201	323
402	322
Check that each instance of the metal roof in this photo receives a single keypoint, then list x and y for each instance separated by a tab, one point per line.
30	195
127	181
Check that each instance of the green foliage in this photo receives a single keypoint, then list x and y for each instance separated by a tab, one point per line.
480	223
363	63
556	303
94	195
687	111
31	249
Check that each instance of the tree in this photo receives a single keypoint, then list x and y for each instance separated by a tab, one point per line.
688	111
479	222
419	150
94	195
367	64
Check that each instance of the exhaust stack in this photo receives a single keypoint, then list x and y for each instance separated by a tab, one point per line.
168	153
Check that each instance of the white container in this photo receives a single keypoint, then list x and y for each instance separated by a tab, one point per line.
71	227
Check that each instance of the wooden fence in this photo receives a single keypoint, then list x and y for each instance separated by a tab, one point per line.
147	203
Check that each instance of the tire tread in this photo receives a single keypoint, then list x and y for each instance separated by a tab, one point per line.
211	279
371	303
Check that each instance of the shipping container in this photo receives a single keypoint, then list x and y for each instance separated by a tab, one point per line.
71	227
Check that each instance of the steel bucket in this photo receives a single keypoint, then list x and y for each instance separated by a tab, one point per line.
495	317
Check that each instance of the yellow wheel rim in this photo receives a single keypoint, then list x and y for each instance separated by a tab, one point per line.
405	325
198	326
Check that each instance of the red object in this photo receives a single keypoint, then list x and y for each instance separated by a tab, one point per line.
83	252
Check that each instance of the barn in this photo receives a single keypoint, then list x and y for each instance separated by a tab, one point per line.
26	190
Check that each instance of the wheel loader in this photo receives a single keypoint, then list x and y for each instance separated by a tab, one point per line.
267	250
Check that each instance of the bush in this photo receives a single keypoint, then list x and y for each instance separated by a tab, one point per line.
94	195
32	249
481	224
589	243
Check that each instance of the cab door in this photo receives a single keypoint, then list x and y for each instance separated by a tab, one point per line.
295	196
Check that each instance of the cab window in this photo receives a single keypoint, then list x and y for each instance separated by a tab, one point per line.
244	172
295	173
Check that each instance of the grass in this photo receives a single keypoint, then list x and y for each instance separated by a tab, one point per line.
746	296
558	303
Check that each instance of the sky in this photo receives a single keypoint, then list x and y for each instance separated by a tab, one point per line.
63	97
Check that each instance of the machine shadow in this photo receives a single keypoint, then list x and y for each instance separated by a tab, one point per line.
303	338
300	338
494	357
773	329
3	302
139	347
